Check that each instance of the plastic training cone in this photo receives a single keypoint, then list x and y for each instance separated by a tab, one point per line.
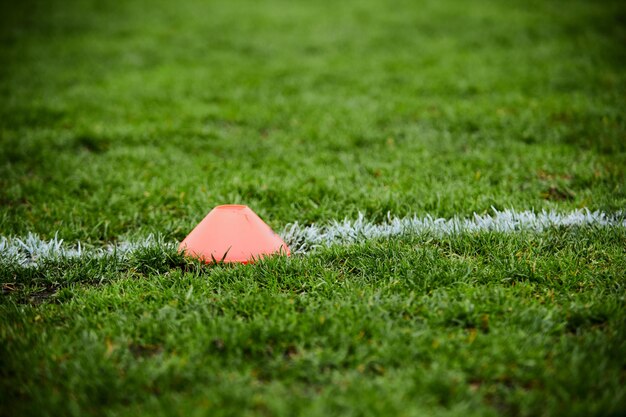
232	233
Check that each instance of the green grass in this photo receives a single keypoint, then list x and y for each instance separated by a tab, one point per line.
141	117
521	324
120	120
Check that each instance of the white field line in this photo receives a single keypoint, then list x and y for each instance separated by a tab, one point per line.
28	250
305	238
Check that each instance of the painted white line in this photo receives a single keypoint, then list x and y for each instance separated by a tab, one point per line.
304	238
27	251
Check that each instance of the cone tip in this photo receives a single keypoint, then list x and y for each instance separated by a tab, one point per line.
231	207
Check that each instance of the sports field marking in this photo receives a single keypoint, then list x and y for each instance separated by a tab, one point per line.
302	239
305	238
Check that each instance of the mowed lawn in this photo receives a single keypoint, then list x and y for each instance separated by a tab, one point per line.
123	119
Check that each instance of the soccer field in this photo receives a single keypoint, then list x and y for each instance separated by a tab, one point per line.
449	175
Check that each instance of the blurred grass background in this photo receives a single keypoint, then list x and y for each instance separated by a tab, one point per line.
124	118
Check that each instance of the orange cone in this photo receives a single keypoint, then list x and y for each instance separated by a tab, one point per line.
232	233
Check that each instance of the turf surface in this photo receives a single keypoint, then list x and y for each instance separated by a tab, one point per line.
120	120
